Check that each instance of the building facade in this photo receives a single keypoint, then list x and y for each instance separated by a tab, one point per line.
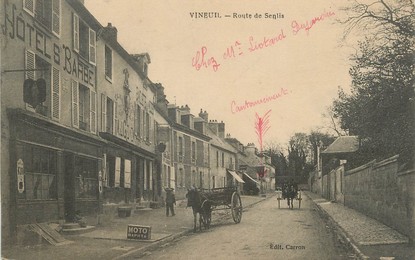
77	115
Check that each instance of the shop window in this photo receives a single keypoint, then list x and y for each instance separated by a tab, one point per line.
119	172
45	102
84	40
40	174
86	178
181	178
46	12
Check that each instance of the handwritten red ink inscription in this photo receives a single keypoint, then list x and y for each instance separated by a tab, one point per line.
261	127
200	61
235	108
297	26
235	50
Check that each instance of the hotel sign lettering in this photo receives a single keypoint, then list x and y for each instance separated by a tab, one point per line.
16	25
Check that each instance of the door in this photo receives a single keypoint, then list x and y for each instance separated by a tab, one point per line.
69	187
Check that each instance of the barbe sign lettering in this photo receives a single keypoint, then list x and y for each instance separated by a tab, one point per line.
138	232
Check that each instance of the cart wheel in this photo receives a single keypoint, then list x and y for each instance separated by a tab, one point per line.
236	207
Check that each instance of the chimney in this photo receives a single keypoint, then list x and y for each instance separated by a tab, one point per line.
111	31
174	114
162	102
250	148
204	115
142	60
221	130
81	1
213	125
185	110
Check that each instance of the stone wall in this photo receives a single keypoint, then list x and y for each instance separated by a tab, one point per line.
378	190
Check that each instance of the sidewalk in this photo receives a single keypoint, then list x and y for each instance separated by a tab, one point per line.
369	238
110	242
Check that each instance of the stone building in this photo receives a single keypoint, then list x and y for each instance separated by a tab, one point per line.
77	116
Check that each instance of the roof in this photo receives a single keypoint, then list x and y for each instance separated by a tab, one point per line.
219	142
343	144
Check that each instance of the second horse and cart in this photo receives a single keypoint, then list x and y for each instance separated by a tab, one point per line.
204	201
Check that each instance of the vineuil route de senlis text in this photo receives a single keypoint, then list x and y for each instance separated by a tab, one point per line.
217	15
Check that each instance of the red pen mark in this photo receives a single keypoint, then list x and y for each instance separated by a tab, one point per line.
230	51
296	26
235	108
236	50
266	42
199	60
261	127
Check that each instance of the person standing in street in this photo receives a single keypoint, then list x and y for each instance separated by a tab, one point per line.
170	201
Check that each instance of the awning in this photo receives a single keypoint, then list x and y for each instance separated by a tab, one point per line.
236	176
250	178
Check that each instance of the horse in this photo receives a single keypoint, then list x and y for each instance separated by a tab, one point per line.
291	192
199	205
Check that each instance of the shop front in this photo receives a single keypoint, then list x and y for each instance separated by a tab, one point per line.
56	170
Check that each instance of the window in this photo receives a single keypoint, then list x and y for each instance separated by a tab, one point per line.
49	102
83	107
46	12
213	182
108	62
137	127
110	116
147	126
200	179
40	174
223	159
193	152
86	180
84	40
217	158
181	149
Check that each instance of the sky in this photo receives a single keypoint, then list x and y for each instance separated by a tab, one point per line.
299	68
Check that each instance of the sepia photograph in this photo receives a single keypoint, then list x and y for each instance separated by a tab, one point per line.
190	129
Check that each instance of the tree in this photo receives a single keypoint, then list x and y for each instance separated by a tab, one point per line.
380	107
321	140
278	159
299	159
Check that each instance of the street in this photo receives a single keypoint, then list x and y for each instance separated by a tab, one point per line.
265	232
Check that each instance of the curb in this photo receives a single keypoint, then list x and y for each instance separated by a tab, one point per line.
139	251
339	231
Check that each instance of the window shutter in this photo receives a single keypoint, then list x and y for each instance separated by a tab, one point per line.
103	113
29	6
127	174
117	171
92	47
75	32
93	113
55	93
104	171
75	104
30	64
56	17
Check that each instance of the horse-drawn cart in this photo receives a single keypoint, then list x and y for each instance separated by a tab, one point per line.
204	201
290	195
